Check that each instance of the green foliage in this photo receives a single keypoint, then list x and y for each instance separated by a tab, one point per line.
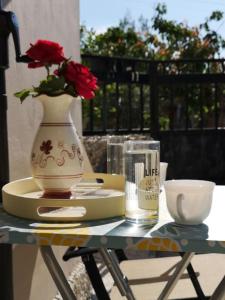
52	85
163	39
157	39
23	94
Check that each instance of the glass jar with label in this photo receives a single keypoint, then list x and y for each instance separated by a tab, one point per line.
142	167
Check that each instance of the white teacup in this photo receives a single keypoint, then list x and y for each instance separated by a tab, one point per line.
189	201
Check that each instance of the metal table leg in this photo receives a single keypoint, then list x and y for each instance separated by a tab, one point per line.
219	293
194	280
6	272
57	273
114	269
176	275
95	276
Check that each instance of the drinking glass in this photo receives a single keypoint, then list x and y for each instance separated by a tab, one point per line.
142	167
115	154
163	171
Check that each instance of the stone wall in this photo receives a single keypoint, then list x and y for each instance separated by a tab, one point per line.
97	150
190	155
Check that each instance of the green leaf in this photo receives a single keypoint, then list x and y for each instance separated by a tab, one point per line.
52	85
23	94
70	90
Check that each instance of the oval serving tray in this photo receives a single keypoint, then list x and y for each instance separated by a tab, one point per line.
93	201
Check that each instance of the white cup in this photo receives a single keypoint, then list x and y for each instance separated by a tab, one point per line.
189	201
163	169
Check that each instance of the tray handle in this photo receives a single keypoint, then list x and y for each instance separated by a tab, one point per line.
110	181
65	212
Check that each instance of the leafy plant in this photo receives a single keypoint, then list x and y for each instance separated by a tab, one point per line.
158	39
163	39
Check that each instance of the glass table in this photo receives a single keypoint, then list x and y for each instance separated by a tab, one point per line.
118	233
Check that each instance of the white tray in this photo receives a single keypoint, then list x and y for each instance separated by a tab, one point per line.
92	200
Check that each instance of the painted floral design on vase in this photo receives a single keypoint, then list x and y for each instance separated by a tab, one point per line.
56	159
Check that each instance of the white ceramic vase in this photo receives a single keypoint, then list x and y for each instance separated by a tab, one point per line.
56	158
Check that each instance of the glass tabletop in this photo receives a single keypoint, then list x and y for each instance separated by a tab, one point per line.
166	235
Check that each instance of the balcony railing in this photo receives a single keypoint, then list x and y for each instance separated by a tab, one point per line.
141	96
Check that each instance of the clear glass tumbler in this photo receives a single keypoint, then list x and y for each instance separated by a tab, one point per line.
142	168
163	172
115	154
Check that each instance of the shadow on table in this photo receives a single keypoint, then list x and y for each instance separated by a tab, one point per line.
12	222
174	230
118	226
72	224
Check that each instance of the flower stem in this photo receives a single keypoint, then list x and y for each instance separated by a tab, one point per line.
47	68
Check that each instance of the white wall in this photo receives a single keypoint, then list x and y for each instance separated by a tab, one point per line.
56	20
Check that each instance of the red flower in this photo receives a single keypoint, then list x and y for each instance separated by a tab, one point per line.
46	147
45	52
69	77
81	78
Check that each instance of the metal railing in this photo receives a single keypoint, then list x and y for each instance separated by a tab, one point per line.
141	96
